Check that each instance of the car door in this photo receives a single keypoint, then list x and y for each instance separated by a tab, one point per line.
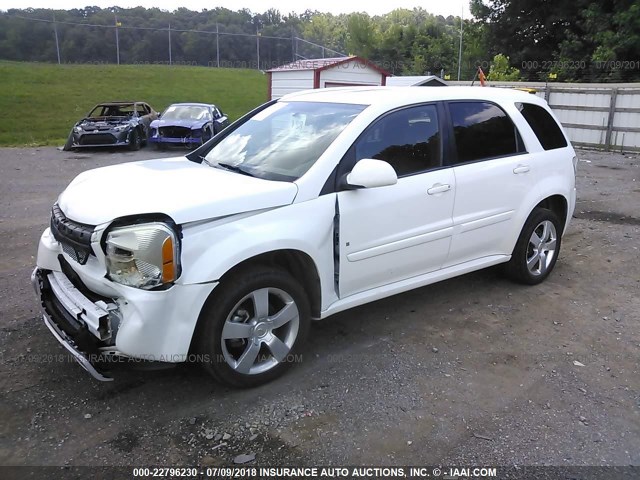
492	170
392	233
220	120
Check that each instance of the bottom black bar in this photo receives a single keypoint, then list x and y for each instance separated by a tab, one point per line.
444	472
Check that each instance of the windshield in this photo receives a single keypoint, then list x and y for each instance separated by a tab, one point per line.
122	110
185	112
284	140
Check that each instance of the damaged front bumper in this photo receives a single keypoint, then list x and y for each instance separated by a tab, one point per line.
101	138
79	323
176	141
176	136
106	325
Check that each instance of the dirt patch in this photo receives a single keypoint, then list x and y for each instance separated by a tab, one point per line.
403	381
608	217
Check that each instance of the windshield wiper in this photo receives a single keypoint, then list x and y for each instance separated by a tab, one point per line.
233	168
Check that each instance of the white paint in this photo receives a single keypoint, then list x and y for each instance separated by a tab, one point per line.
409	80
286	82
392	238
350	73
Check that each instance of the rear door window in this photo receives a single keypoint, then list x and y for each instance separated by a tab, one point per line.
482	130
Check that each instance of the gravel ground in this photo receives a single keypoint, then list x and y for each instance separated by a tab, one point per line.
474	370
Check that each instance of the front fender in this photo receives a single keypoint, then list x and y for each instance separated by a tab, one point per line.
211	249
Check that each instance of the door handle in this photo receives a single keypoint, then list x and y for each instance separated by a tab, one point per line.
439	188
521	169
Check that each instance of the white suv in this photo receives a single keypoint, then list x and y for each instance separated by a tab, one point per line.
307	206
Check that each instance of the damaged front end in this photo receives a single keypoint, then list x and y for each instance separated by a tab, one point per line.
102	132
178	135
84	327
84	322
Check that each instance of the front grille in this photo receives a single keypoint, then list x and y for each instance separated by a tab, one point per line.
97	139
175	132
75	237
79	256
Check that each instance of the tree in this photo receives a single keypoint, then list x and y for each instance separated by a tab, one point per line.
362	37
577	39
501	71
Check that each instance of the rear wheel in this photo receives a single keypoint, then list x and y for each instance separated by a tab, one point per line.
537	249
254	327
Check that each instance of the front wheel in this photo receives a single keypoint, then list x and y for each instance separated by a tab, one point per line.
135	140
536	251
68	146
254	327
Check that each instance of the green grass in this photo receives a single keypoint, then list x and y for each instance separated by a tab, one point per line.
39	103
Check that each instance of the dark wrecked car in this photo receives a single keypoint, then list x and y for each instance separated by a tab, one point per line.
113	124
190	124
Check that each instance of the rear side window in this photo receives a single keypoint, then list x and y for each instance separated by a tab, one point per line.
543	125
408	139
483	130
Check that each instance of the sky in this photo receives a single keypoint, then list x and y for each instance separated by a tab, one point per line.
436	7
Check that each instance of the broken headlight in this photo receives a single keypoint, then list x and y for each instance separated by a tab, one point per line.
142	256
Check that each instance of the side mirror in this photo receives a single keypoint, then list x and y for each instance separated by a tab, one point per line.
370	173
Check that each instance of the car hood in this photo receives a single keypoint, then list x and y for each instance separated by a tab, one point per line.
178	123
184	190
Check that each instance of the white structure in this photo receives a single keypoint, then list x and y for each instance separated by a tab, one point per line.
323	73
416	81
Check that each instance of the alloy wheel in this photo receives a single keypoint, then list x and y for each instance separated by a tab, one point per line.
542	247
260	331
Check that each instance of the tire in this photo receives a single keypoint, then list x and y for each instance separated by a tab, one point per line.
206	135
253	327
68	146
135	140
537	249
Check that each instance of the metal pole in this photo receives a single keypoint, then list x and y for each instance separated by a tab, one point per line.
460	51
117	40
293	48
169	44
612	112
258	46
217	47
55	32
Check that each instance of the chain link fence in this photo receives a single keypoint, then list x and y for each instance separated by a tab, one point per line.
66	42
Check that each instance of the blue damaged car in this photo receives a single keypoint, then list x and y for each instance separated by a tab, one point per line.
190	124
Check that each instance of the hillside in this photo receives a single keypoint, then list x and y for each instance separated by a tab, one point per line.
39	103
